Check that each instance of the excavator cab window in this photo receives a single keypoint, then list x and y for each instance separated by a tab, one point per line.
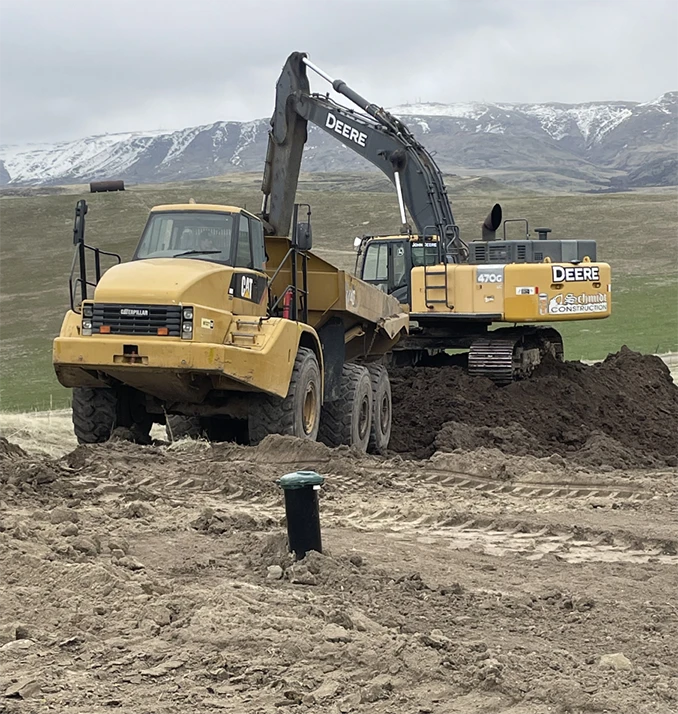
425	254
375	265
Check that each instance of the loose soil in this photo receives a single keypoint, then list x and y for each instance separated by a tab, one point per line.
622	412
508	572
144	579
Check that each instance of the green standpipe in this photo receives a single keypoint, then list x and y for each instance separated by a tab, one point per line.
302	511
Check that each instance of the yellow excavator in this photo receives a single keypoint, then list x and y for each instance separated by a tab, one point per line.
454	291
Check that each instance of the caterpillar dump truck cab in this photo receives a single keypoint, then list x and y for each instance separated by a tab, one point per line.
218	328
455	291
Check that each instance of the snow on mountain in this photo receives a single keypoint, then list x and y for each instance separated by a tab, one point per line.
589	143
471	110
37	163
593	120
124	154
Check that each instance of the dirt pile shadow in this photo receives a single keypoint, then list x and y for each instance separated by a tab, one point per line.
622	412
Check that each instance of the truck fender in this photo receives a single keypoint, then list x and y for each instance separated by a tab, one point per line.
309	338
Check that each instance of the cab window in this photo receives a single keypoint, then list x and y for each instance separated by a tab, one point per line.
424	254
399	265
257	240
243	255
375	268
191	234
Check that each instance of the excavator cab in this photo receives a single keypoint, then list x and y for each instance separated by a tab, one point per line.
387	262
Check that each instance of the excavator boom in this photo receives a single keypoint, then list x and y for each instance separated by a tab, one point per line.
376	135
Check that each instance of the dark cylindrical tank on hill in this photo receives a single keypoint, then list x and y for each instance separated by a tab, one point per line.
100	186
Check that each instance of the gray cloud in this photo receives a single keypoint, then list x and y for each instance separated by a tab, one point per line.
69	68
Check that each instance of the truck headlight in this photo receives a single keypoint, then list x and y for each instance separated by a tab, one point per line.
86	327
187	323
87	310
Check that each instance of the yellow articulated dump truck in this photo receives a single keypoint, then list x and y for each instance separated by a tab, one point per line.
216	328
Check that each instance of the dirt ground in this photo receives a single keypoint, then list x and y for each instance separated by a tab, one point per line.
138	578
157	579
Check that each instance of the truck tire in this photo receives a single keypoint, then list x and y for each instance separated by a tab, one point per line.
347	420
94	414
298	414
382	411
179	426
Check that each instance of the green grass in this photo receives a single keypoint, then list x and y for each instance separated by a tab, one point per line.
636	234
644	318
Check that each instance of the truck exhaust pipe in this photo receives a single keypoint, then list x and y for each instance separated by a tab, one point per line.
492	222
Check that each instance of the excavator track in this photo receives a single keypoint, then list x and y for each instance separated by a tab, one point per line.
512	354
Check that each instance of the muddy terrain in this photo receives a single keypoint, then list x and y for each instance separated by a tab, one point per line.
519	555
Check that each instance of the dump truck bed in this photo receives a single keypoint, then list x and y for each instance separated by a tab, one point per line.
334	292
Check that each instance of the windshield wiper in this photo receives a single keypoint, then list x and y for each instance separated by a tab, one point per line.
195	252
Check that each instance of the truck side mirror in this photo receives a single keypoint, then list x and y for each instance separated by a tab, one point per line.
304	236
79	223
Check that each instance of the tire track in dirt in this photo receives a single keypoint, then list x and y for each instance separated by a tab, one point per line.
501	537
364	478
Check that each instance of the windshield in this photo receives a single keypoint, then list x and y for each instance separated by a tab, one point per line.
190	234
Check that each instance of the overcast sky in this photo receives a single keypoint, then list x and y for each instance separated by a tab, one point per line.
71	68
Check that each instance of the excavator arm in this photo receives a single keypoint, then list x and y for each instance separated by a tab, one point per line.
373	133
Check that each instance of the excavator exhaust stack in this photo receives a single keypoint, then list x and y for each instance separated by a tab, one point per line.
492	222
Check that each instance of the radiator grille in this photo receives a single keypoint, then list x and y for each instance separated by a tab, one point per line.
137	319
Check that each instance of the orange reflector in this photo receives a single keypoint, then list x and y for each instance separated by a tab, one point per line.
105	329
163	331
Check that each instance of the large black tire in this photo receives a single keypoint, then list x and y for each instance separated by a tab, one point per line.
179	426
94	414
382	410
298	414
347	420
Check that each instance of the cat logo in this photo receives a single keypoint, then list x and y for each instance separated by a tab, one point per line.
246	287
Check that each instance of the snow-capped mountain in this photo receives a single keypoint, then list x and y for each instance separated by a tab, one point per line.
590	121
592	145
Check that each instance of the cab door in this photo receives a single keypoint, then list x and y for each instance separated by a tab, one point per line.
387	265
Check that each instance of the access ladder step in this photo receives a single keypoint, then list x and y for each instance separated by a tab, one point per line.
244	335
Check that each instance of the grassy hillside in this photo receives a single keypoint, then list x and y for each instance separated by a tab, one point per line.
636	234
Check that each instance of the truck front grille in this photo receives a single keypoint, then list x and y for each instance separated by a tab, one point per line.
136	319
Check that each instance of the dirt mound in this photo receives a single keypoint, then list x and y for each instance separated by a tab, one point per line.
19	470
622	412
10	451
